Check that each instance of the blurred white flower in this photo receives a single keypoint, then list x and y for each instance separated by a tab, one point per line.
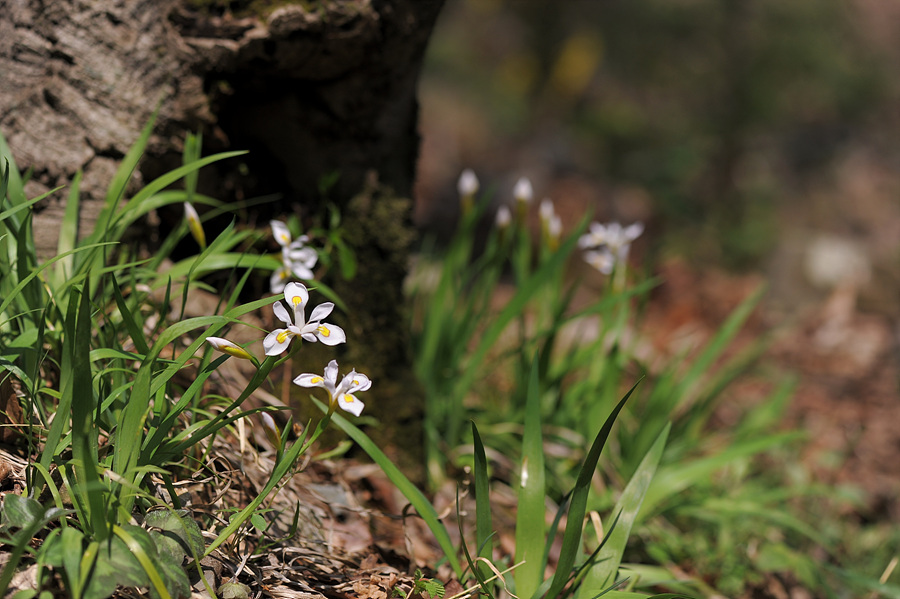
546	210
468	183
554	229
343	394
602	259
467	186
315	330
608	244
551	224
523	191
297	260
503	218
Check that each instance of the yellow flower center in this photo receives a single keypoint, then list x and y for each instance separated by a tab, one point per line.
349	398
282	336
323	330
316	380
297	300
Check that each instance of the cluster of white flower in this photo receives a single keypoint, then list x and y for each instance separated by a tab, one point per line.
605	245
297	296
297	259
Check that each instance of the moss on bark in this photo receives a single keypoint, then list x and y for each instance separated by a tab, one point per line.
378	226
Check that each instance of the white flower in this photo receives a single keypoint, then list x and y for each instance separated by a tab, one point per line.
341	394
297	260
554	228
613	236
522	191
194	224
230	348
603	260
467	185
609	244
315	330
546	211
503	218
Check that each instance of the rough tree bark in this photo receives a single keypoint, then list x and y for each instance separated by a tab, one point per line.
309	87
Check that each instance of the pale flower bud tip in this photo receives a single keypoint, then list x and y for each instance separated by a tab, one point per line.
268	421
468	183
194	224
227	347
504	217
523	191
546	210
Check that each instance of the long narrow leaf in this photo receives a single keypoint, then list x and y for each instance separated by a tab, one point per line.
483	526
578	502
68	232
530	536
84	436
603	574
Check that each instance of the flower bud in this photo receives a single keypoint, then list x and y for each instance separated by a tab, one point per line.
523	191
196	227
227	347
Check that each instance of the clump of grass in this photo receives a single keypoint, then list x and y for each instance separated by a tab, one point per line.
100	365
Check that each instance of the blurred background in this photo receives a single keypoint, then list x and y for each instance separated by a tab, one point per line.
748	134
759	141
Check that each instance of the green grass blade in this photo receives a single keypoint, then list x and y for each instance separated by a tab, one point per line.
84	434
675	478
409	490
13	186
483	526
603	573
134	329
35	273
116	189
530	535
578	503
61	425
68	232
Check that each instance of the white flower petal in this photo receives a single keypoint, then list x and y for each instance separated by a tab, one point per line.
281	232
331	373
634	231
321	311
296	295
301	272
278	279
282	314
602	260
348	403
330	334
356	381
311	380
277	341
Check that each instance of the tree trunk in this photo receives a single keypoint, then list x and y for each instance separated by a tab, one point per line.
310	88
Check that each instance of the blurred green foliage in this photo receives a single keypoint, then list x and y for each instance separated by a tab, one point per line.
720	109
